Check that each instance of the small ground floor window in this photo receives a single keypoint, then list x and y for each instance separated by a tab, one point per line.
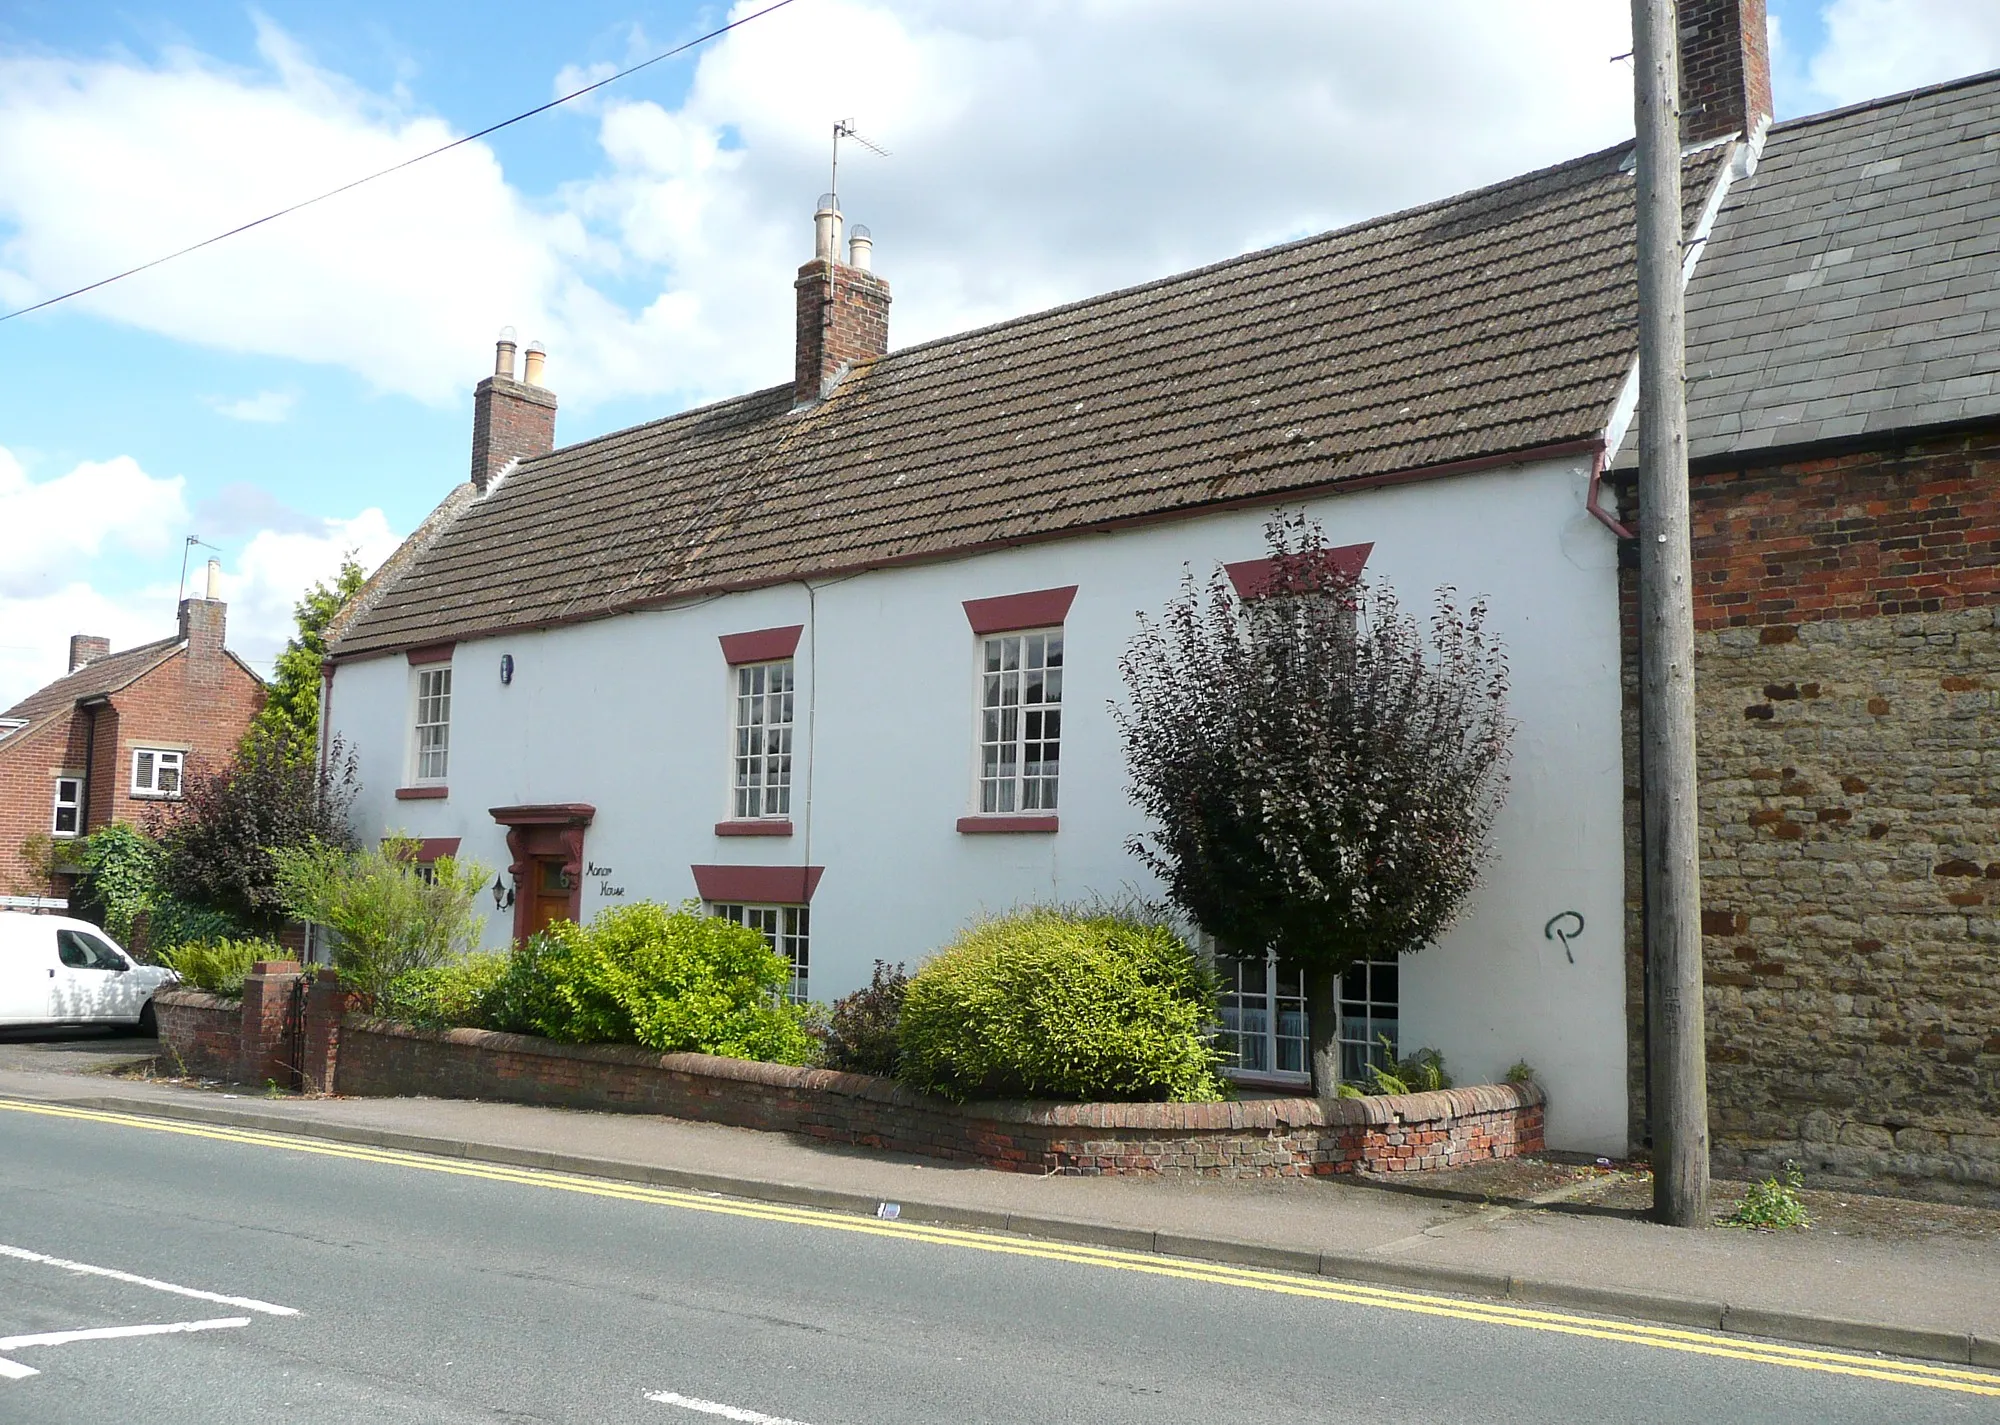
786	928
1264	1026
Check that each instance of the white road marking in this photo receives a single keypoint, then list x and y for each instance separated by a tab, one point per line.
247	1303
107	1333
716	1407
14	1370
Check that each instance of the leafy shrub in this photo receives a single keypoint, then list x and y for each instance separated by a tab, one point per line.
1095	1004
1772	1206
861	1037
1422	1072
171	923
120	881
218	966
673	980
387	914
1521	1072
218	840
448	996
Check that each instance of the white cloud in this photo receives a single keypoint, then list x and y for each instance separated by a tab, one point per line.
274	568
52	526
58	533
1877	47
1042	151
264	408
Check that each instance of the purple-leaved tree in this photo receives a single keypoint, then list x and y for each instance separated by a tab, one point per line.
1321	777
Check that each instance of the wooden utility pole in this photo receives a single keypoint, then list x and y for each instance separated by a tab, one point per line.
1678	1106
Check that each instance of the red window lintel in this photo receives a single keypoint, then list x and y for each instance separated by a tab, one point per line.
757	885
1043	608
764	645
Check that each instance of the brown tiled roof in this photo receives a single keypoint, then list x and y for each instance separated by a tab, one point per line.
97	678
1495	322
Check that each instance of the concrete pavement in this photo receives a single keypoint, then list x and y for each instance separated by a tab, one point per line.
1933	1297
445	1290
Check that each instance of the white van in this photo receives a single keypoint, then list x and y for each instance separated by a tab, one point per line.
54	970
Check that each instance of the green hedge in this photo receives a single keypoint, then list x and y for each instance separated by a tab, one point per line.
1044	1003
672	980
457	995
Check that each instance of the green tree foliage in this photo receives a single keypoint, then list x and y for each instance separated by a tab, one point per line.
388	915
673	980
121	877
1321	777
1045	1003
218	841
289	719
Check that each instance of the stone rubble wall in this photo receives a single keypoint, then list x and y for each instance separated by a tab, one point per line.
1848	702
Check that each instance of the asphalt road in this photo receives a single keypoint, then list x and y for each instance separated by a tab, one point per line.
440	1291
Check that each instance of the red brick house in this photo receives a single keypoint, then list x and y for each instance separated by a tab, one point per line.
117	732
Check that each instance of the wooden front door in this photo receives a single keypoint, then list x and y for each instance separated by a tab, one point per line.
551	888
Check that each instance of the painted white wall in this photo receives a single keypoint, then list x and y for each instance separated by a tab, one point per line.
631	715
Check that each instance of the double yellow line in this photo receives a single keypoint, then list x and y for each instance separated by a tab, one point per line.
1701	1343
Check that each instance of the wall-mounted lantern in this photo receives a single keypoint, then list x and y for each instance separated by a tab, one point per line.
506	669
503	895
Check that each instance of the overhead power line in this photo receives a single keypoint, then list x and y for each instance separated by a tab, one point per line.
406	163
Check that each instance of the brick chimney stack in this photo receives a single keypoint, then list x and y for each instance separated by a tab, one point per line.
203	623
843	308
1725	69
85	648
511	420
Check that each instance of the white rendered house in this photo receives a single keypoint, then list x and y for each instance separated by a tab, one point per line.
837	657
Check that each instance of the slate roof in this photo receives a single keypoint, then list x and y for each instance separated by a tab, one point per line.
97	678
1852	284
1499	321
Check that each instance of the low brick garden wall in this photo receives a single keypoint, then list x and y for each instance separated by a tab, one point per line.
1250	1138
201	1034
352	1054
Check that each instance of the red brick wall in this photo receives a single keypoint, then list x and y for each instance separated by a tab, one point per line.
29	764
1914	529
204	706
1256	1138
200	1035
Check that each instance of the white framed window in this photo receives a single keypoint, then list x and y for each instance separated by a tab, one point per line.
1263	1008
156	772
68	819
1369	994
431	724
787	929
11	725
761	740
1265	1029
1020	720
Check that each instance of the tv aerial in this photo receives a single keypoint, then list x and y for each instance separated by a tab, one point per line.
844	129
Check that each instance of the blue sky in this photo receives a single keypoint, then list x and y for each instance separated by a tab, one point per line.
305	389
